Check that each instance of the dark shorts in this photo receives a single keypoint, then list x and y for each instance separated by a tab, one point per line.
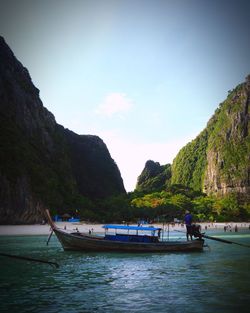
189	229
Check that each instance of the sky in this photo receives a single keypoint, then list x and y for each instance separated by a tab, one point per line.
143	75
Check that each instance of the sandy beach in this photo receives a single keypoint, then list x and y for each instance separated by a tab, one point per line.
8	230
38	229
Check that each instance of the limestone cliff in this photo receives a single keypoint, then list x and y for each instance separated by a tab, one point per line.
154	177
218	160
41	163
228	151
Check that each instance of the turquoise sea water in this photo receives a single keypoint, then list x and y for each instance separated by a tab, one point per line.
216	280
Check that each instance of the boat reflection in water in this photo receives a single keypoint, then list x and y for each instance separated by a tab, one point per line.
123	238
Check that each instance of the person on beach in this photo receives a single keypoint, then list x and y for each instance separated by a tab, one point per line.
188	221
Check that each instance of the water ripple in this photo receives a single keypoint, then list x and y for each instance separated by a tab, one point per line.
198	282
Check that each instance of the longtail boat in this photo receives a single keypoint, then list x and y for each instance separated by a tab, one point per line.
123	239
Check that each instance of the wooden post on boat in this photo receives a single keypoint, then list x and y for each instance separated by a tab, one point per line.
50	221
50	236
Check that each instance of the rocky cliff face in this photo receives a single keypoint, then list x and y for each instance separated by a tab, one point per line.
154	177
228	152
218	160
41	163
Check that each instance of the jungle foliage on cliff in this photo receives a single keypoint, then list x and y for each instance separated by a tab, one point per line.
168	204
172	202
218	160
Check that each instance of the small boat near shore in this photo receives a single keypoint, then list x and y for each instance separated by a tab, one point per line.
123	238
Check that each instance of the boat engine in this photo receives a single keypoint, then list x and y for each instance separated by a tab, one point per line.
196	231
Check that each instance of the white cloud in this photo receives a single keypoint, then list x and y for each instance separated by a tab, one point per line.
114	103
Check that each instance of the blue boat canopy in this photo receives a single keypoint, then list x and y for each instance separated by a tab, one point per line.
125	227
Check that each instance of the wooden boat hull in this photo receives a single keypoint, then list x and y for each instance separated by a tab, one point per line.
81	242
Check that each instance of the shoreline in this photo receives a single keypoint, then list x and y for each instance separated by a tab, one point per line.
38	229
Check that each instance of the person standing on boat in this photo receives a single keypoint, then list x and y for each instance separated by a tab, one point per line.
188	221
